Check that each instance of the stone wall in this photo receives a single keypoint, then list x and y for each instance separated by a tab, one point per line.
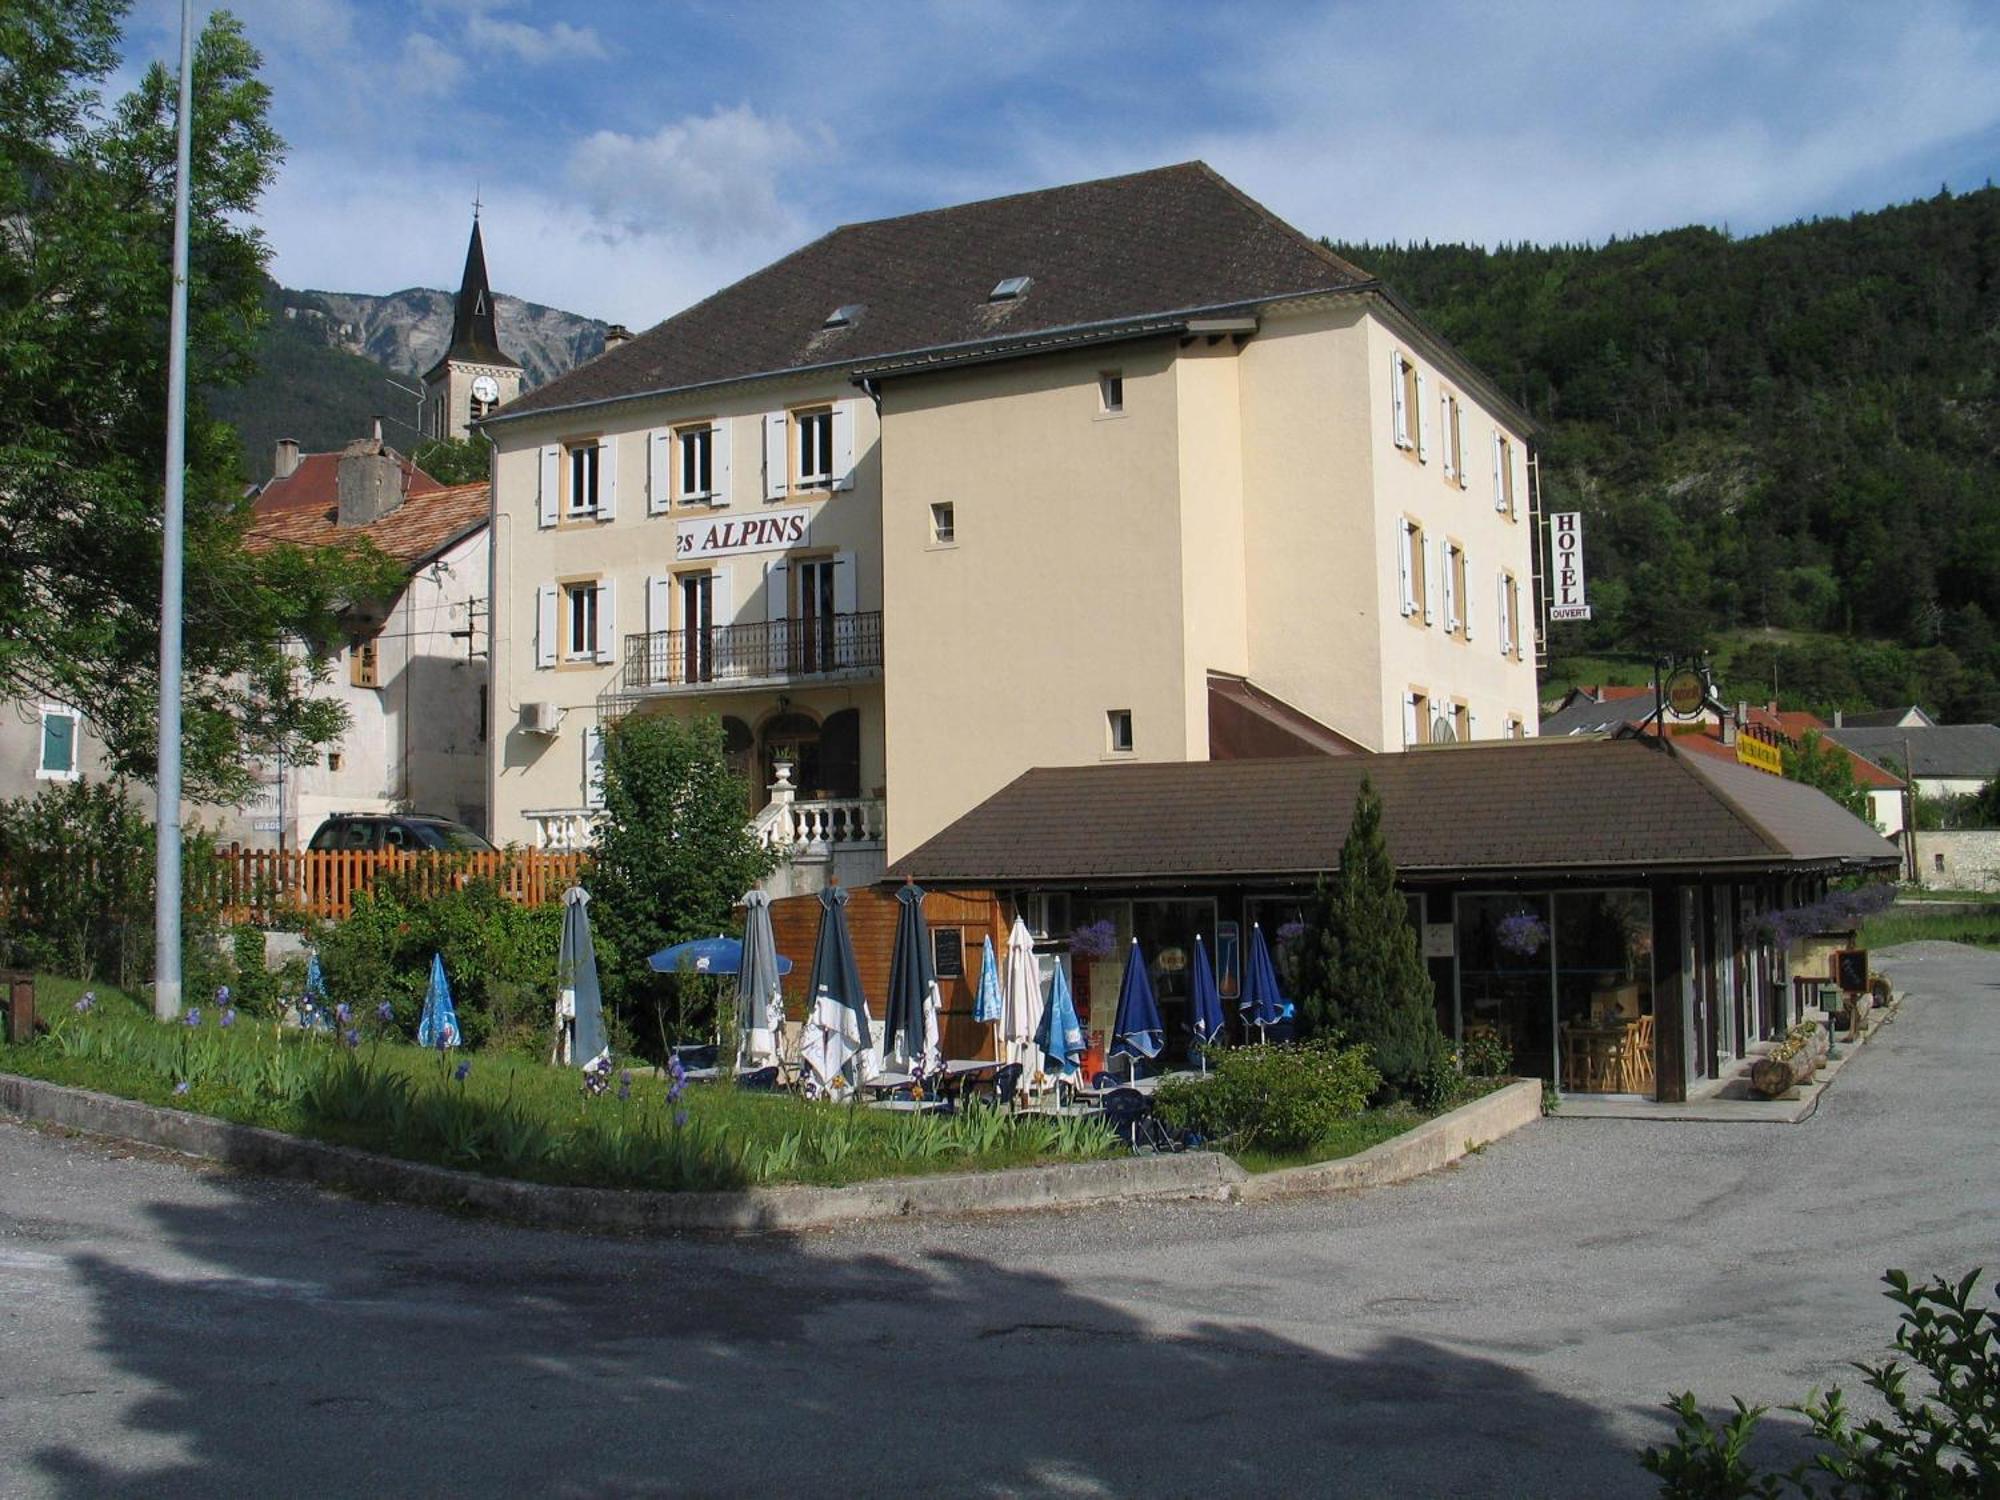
1960	859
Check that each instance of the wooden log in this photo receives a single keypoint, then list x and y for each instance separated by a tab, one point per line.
1772	1076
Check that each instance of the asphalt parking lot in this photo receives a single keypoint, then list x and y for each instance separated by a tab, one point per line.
1507	1327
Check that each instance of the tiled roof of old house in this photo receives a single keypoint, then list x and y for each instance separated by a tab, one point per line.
427	522
1121	250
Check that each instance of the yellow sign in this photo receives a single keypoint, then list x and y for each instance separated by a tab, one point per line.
1762	755
1685	694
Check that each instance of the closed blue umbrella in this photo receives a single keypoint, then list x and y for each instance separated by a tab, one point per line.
439	1025
986	1003
1137	1032
1205	1018
710	955
837	1028
579	1002
1060	1036
910	1016
312	1007
1262	1004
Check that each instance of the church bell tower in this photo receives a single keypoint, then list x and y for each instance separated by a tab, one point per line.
475	376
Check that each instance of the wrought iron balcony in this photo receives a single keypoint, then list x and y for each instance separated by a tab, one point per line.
763	652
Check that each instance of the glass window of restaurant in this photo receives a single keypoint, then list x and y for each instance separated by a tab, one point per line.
1563	980
1166	930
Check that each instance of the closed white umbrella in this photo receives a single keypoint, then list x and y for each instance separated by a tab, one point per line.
1021	1002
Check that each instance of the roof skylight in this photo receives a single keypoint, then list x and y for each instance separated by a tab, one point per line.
843	315
1010	287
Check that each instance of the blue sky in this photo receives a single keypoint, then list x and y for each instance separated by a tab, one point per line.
634	156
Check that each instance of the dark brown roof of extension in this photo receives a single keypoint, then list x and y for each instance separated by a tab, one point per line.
1136	250
1556	807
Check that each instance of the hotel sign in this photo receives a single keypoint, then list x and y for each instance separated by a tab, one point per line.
1761	754
722	536
1566	596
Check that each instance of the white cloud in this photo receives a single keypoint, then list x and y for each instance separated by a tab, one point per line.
713	180
534	44
428	68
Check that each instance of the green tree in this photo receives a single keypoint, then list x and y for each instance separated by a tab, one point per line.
673	858
454	460
1820	763
86	195
1361	974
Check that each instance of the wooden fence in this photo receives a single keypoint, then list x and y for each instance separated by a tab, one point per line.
256	885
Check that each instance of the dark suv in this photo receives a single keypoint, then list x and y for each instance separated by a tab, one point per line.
411	832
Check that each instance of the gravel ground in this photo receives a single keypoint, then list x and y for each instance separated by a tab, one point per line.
1508	1327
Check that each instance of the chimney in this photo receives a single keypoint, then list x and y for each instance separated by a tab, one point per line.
287	460
1733	722
377	432
368	481
1836	718
615	335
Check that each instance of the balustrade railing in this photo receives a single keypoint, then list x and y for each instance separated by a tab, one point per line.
759	651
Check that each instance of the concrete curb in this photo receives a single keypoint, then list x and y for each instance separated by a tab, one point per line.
1433	1144
1194	1174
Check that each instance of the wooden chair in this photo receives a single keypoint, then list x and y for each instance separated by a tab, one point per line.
1639	1056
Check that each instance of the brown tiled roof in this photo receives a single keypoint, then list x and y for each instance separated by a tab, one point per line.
313	485
1173	240
1550	806
412	534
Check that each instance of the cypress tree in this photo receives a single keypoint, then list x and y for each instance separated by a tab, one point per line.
1361	974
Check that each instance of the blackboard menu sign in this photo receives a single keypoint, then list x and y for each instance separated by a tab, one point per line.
948	952
1850	969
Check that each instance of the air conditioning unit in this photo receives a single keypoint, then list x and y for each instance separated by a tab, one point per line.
541	718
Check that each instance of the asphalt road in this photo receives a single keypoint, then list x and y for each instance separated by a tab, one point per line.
1508	1327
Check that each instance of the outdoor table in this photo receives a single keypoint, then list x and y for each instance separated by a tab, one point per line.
883	1082
970	1065
907	1106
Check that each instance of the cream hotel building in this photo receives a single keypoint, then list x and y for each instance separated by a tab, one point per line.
1126	470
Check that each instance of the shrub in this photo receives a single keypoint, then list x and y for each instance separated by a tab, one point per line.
1943	1441
1281	1097
1486	1056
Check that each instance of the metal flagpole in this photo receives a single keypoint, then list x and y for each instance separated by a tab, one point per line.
167	815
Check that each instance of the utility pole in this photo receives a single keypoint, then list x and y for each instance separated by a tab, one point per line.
167	813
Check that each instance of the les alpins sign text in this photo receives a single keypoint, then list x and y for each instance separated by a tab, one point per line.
1566	596
773	531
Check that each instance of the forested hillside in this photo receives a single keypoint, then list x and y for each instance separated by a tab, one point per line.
1786	447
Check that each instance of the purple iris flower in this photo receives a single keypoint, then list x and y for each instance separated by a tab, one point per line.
352	1038
228	1017
385	1012
181	1087
343	1014
680	1118
462	1071
193	1017
86	1002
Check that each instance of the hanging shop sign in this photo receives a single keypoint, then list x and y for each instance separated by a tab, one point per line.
1686	693
1566	595
722	536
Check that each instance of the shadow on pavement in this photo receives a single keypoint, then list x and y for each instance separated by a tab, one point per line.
292	1341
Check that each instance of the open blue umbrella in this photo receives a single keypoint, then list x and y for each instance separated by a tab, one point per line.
439	1026
986	1003
579	1003
910	1017
1262	1004
1060	1036
716	955
1137	1032
1205	1018
837	1027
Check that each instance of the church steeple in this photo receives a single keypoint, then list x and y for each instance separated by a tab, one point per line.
475	375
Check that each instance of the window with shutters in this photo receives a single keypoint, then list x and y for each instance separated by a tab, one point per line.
582	462
1414	571
1503	476
812	439
696	472
364	665
580	622
1452	418
1416	718
62	729
1510	616
1406	392
1461	722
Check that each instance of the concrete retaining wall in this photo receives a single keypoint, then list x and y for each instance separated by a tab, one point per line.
1196	1174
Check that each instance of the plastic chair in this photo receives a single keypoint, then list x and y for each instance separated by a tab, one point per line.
1130	1115
758	1081
1006	1082
694	1056
1103	1081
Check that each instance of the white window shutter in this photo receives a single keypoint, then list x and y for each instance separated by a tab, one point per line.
548	624
718	462
593	766
1465	603
1409	720
1403	567
1500	592
1471	725
1499	490
1430	582
843	445
1445	425
777	483
659	470
721	599
1423	419
659	620
1448	585
607	479
1402	417
551	491
607	620
778	608
1458	445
